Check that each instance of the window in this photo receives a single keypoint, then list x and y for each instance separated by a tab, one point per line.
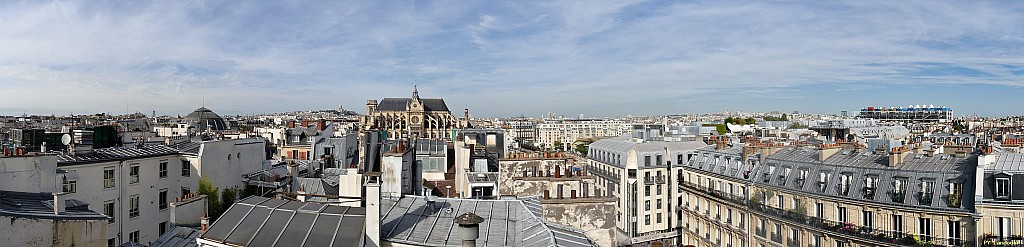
897	224
112	242
70	186
658	204
841	214
658	218
108	178
1003	188
844	183
781	202
840	243
925	196
953	228
870	184
186	168
647	205
647	220
185	191
869	219
162	228
679	159
108	209
163	199
647	162
659	190
647	190
658	159
134	237
820	210
163	169
133	206
133	171
1004	225
955	191
899	189
924	229
823	180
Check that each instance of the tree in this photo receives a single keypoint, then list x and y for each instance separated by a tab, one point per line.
227	199
207	188
558	145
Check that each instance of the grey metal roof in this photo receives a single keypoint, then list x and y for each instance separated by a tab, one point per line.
177	237
318	186
1012	163
398	104
856	166
622	146
40	206
260	221
412	220
115	153
187	147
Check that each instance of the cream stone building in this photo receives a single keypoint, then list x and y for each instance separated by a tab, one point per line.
639	175
426	118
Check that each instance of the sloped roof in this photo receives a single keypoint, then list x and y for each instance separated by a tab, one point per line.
40	205
412	220
115	153
177	237
261	221
398	104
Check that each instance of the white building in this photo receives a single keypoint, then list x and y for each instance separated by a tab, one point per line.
567	131
638	174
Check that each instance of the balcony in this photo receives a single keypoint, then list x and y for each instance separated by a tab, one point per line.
924	198
851	230
659	179
776	238
869	193
717	194
898	196
792	242
953	200
759	231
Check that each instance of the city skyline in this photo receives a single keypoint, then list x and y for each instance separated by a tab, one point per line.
510	58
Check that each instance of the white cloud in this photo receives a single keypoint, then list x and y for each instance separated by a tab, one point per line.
497	58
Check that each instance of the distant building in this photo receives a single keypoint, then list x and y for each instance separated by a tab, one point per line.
913	113
407	117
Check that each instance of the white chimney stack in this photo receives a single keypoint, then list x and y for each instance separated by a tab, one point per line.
58	202
372	234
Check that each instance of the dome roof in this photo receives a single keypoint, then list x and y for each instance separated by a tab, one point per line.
205	119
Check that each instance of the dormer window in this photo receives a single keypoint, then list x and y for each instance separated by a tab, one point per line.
1003	188
844	183
925	196
870	185
899	189
801	177
783	175
956	189
823	178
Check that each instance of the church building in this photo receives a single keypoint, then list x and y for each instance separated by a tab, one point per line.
415	117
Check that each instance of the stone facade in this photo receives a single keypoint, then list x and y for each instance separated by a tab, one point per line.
415	116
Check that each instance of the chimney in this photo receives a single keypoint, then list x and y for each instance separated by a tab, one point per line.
321	124
204	222
291	124
469	228
372	233
292	167
58	203
897	155
827	150
301	194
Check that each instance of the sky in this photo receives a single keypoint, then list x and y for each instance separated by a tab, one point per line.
511	58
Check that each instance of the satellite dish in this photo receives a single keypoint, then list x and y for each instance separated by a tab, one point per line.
66	139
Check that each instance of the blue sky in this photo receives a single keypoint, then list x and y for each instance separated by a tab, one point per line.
511	58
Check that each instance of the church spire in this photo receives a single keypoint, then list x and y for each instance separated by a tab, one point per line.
415	92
